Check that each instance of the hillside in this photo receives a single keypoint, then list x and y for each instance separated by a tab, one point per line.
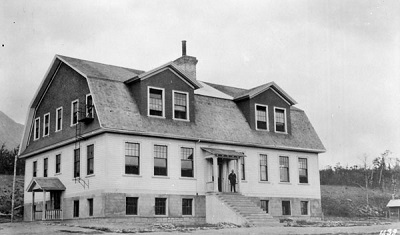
347	201
10	131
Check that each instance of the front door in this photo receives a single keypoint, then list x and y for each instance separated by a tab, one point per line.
220	176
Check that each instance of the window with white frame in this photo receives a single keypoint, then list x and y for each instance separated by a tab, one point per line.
186	162
265	205
156	102
160	160
59	117
243	168
303	170
132	205
77	163
261	117
304	207
74	112
187	206
284	168
286	208
132	158
36	129
89	106
263	167
58	163
34	170
45	166
280	120
46	124
160	206
90	159
181	104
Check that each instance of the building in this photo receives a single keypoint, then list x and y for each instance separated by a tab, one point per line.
107	141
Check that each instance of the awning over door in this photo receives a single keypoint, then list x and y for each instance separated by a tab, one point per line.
224	153
38	184
394	203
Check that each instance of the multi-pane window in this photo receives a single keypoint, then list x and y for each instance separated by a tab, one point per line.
36	129
265	205
280	120
261	117
284	169
131	205
90	204
304	207
74	112
243	168
45	166
76	208
34	168
180	106
46	124
132	158
89	106
187	206
160	160
156	103
186	162
286	208
59	116
303	171
58	163
160	206
90	159
77	163
263	167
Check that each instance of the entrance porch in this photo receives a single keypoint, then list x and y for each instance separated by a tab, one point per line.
47	210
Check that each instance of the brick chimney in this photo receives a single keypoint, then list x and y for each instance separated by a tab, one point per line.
186	63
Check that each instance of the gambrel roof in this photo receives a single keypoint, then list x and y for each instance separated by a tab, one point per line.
218	118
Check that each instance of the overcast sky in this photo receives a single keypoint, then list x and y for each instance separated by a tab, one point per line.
340	60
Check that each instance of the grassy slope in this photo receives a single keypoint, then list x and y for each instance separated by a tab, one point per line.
351	201
6	182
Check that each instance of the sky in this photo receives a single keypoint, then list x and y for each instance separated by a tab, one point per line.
340	60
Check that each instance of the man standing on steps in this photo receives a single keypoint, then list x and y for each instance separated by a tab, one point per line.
232	180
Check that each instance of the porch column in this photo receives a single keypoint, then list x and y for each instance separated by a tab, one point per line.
215	171
33	206
239	175
44	205
61	205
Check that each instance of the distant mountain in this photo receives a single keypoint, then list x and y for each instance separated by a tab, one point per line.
10	131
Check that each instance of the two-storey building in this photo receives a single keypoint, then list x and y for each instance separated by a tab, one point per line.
108	141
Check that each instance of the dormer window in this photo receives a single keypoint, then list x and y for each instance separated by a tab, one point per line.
261	117
89	106
46	124
181	103
280	120
74	112
156	102
36	129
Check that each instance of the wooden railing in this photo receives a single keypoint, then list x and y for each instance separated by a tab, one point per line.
53	214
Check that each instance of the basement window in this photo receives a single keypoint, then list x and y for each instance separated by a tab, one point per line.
265	205
156	102
76	208
160	206
286	208
261	117
90	204
131	205
304	207
187	206
181	104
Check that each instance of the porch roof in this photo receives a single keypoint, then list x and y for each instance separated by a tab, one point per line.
38	184
394	203
224	153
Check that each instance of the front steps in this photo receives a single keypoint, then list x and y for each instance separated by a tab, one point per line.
245	208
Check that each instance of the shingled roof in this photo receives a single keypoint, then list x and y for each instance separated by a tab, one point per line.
218	119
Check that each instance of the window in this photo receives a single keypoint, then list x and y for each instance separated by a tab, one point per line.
89	106
265	205
36	129
132	158
46	124
187	206
280	120
90	204
243	168
76	208
181	105
186	162
77	163
90	159
160	207
131	205
74	112
286	208
59	116
263	167
156	102
303	172
304	207
34	168
261	117
284	168
45	166
160	160
58	163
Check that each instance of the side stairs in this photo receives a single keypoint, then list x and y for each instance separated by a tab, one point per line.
245	207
